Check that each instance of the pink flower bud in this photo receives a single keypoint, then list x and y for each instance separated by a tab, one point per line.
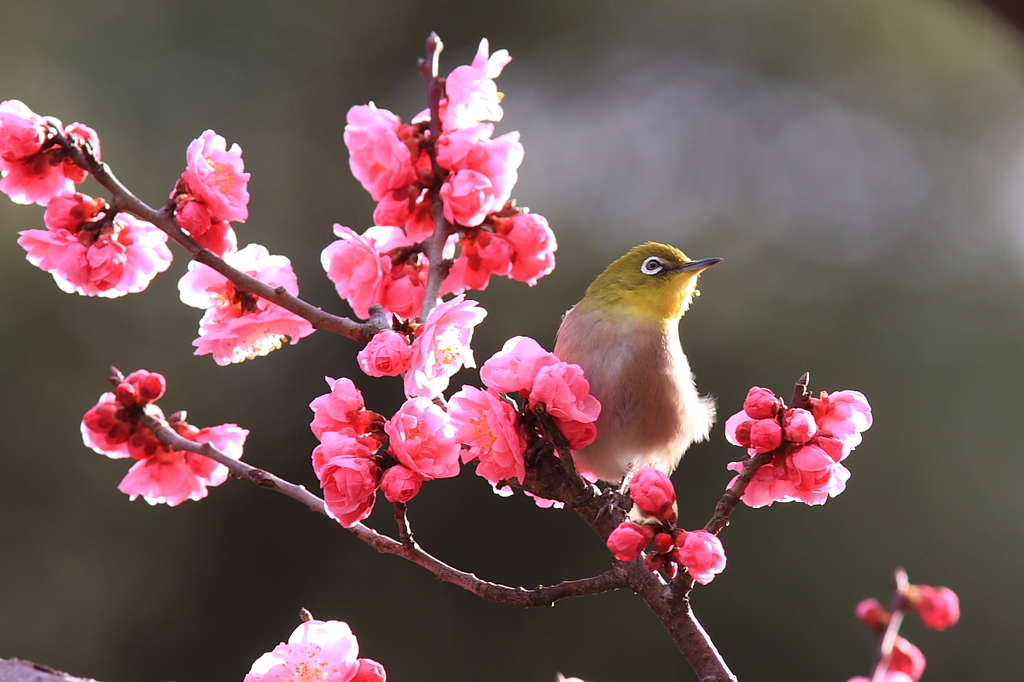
761	403
765	435
126	394
400	484
873	614
799	426
653	494
939	607
628	540
907	658
701	553
387	355
663	543
350	488
369	671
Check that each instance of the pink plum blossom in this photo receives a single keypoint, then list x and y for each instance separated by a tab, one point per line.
29	175
939	607
845	414
515	366
338	444
171	477
357	268
483	173
533	245
565	392
701	553
214	176
628	540
470	93
195	218
422	438
761	403
653	494
388	354
799	426
765	435
350	487
238	325
342	410
69	211
483	254
378	158
487	424
400	484
317	651
873	614
118	257
442	347
907	659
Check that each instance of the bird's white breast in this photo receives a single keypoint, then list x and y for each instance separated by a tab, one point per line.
650	408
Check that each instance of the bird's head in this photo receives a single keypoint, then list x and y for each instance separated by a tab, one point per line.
655	281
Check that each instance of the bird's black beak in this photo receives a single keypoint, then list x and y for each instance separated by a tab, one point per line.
698	265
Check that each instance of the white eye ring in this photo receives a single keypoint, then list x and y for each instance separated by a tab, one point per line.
652	265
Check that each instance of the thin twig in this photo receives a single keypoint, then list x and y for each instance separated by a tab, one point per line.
887	638
615	578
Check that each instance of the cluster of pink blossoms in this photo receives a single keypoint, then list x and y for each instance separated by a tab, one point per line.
212	191
698	551
473	180
239	325
811	444
317	651
87	248
938	607
361	452
34	168
161	475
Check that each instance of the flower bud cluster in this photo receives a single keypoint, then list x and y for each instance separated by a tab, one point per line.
809	444
161	474
939	608
317	650
698	552
466	170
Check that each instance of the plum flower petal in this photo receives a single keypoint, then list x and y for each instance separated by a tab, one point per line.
470	91
317	651
515	366
422	438
488	425
442	347
378	158
214	175
238	325
388	354
121	258
701	553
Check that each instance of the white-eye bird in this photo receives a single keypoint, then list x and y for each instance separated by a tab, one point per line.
625	336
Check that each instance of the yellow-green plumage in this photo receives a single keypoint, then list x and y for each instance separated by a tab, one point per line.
625	336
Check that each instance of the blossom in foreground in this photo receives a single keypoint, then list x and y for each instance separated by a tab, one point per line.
628	540
161	475
317	651
400	484
348	476
93	256
343	411
809	445
482	172
442	347
238	325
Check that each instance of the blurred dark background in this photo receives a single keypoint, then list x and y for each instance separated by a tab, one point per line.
858	164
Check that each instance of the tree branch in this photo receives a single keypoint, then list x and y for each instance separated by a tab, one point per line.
615	578
125	201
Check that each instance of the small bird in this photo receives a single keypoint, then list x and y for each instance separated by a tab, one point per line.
625	336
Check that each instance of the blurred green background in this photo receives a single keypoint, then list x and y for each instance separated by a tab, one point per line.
858	164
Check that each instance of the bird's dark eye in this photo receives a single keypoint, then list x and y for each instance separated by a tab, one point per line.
652	265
